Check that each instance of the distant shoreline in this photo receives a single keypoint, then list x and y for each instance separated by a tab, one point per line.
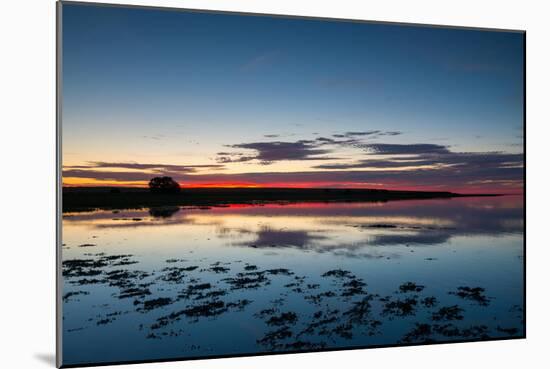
91	198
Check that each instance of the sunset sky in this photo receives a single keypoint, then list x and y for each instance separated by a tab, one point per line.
233	100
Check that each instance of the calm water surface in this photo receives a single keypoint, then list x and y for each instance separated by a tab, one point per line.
185	282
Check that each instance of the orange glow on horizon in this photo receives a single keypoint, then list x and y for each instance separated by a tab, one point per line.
471	189
222	185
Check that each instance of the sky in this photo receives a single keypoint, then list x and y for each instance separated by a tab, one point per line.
232	100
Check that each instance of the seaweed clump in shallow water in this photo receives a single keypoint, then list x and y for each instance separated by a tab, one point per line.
410	287
156	303
337	273
219	269
318	298
210	308
175	274
249	280
283	319
83	267
472	294
271	338
429	302
134	292
448	313
124	278
400	308
420	333
353	287
66	297
510	331
451	331
195	290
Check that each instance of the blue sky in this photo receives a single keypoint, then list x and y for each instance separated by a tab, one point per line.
153	86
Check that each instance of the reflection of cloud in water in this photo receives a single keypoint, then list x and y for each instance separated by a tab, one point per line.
346	227
354	254
153	217
425	237
269	237
325	228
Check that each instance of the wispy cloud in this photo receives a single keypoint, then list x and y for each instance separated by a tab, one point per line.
376	133
111	171
154	167
262	60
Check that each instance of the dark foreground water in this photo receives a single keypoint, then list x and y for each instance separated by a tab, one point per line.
187	282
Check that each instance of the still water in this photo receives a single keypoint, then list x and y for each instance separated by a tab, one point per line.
193	282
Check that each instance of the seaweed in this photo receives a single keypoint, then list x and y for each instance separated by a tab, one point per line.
410	287
239	304
219	269
279	271
509	331
448	313
420	333
473	294
156	303
271	337
338	273
317	299
284	318
134	292
400	308
429	301
249	280
66	297
353	287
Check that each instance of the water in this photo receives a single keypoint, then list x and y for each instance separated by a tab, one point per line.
193	282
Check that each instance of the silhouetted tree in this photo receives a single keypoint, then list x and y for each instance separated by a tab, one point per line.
164	185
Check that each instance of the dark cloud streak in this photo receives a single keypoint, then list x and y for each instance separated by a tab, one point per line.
269	152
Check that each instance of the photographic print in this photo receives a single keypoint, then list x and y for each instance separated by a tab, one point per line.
237	184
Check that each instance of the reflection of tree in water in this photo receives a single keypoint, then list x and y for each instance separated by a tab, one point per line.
163	211
342	308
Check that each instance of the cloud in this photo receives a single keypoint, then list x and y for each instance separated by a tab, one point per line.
234	158
420	166
106	175
269	152
366	164
405	149
366	134
155	137
154	167
473	178
140	171
436	165
260	61
483	160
